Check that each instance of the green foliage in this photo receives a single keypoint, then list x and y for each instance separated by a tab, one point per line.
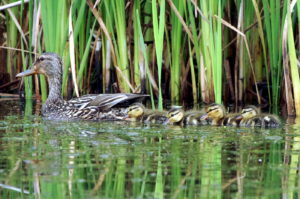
273	25
54	22
158	31
176	50
115	20
172	49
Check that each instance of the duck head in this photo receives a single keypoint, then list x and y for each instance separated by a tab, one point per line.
175	115
215	112
248	112
136	110
49	64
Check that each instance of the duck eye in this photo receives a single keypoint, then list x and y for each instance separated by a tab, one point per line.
41	59
212	109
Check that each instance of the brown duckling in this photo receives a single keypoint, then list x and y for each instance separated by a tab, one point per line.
156	117
138	112
231	119
135	112
218	116
178	116
247	113
175	116
216	112
251	117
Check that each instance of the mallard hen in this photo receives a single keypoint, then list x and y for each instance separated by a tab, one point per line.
88	107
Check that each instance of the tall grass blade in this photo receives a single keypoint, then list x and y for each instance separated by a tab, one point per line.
293	60
158	29
145	65
72	53
55	32
176	43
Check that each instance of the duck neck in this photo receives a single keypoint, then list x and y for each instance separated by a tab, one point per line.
54	89
217	121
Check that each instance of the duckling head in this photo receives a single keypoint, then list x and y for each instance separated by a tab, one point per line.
175	115
248	112
215	112
136	110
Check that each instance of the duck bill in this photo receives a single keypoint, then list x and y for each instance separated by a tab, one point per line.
26	73
204	117
166	122
239	117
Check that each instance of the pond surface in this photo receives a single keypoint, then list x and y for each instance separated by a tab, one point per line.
46	159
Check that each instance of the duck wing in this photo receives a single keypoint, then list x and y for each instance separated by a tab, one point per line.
81	102
105	101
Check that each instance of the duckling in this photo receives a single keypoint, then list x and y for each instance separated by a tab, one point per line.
175	116
231	119
251	116
155	117
247	113
178	116
135	112
194	118
264	121
219	116
138	112
216	112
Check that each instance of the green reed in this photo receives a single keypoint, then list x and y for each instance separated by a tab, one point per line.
176	50
11	38
196	87
172	49
273	28
244	75
116	24
158	31
143	60
54	19
293	60
27	81
139	69
211	47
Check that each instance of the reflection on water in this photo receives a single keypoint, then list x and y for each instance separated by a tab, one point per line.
46	159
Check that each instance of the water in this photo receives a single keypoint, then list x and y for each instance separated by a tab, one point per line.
46	159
